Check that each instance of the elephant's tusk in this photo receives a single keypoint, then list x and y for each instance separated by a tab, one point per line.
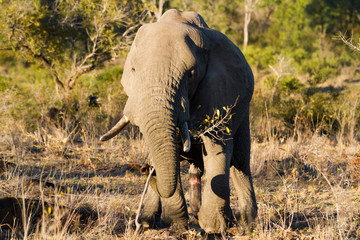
116	129
185	137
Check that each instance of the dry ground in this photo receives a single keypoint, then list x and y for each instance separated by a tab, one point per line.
305	190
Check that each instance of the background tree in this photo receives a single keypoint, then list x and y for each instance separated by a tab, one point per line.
222	15
330	17
250	6
73	37
69	38
157	6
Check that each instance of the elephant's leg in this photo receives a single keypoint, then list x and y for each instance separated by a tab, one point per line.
241	175
196	170
173	209
195	189
215	212
150	213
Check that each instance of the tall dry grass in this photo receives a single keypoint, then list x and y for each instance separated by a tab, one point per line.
305	190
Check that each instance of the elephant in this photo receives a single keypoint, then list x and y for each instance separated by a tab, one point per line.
177	73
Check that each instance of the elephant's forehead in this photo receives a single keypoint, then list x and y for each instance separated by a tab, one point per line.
169	33
169	41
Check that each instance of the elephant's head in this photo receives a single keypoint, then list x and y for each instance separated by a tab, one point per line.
165	65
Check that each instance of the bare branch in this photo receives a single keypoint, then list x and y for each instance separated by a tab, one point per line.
349	42
83	67
46	63
130	29
280	72
137	223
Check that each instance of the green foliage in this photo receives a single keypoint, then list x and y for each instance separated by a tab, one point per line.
319	113
5	83
71	38
319	70
333	16
290	28
111	75
261	57
104	84
290	84
68	37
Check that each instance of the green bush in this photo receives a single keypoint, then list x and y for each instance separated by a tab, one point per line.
299	55
261	57
319	70
5	83
290	84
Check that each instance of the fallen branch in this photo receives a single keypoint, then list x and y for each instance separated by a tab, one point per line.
138	225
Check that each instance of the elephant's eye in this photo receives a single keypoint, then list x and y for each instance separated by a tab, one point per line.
133	69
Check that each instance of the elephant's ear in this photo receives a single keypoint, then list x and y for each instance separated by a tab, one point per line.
228	76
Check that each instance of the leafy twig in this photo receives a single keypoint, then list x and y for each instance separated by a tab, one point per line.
216	126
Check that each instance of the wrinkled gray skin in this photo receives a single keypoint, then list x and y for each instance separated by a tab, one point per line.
178	70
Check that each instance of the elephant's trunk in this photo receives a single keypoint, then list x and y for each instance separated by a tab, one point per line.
160	116
160	136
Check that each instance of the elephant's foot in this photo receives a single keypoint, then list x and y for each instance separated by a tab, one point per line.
165	212
214	221
167	216
247	214
246	197
153	221
150	213
180	224
174	211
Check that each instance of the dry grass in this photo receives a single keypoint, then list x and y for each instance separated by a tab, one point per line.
305	190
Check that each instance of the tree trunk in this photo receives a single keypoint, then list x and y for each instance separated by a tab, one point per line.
159	11
249	8
246	30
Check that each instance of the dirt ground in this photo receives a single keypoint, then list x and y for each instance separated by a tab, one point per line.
56	189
